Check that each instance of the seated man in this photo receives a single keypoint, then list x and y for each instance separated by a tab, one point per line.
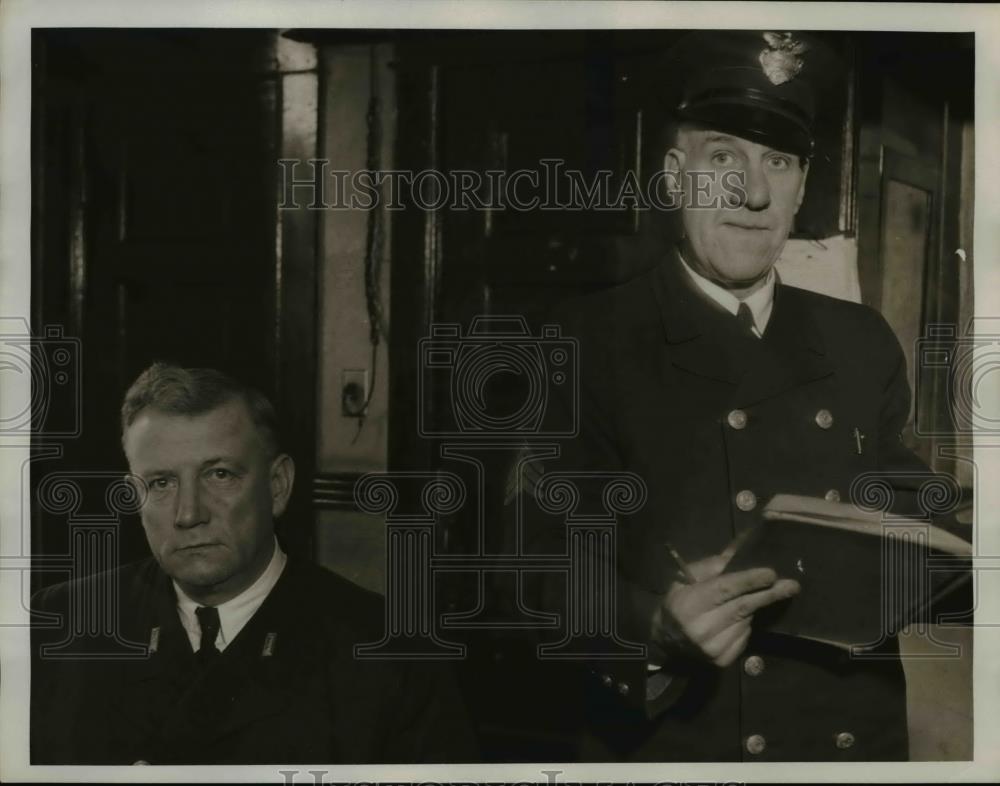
250	652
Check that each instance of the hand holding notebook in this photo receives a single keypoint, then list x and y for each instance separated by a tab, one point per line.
863	577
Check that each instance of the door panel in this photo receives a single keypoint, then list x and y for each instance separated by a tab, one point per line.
909	195
156	228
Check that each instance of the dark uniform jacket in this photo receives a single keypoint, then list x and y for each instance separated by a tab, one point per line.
715	422
288	689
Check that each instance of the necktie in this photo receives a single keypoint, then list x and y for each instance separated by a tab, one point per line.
745	317
208	620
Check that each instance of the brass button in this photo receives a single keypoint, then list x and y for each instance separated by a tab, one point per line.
754	665
824	418
737	419
756	744
606	680
832	496
845	740
623	688
746	500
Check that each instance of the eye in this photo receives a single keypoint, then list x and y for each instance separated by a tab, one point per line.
221	476
779	162
159	484
723	158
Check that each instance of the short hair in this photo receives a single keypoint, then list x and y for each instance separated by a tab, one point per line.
176	390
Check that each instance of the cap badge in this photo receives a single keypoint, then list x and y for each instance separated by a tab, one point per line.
781	61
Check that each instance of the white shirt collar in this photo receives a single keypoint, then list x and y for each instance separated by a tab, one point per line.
236	612
760	302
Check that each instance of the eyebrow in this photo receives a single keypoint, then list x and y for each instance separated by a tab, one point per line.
729	138
152	473
205	464
720	138
222	460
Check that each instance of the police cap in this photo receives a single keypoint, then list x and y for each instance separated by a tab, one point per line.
758	85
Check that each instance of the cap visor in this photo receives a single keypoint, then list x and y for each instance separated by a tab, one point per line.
749	120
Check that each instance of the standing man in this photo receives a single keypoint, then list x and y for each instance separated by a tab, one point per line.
250	652
720	386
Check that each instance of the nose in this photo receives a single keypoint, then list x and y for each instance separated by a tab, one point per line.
758	189
190	511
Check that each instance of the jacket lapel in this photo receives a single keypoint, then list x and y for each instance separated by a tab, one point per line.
148	688
255	676
792	351
705	339
702	337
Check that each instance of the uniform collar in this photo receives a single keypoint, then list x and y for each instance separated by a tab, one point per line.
703	339
235	612
759	302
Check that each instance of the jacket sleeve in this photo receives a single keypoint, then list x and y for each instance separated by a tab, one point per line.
593	449
51	731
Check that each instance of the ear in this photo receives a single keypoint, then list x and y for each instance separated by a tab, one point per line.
282	480
673	168
673	162
802	186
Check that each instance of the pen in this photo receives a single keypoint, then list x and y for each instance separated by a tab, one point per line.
683	569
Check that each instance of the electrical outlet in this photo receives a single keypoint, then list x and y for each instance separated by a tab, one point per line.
353	392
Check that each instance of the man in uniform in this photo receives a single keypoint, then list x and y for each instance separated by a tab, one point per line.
250	652
720	386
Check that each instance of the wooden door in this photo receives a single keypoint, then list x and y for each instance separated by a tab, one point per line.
910	202
156	232
910	195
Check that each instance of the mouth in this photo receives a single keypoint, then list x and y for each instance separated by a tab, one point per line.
195	547
748	227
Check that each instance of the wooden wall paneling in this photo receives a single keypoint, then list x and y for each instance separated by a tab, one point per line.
416	267
909	264
296	285
911	119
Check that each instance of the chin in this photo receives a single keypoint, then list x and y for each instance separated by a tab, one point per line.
743	274
197	573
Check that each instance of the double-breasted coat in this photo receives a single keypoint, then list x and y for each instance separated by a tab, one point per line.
715	422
